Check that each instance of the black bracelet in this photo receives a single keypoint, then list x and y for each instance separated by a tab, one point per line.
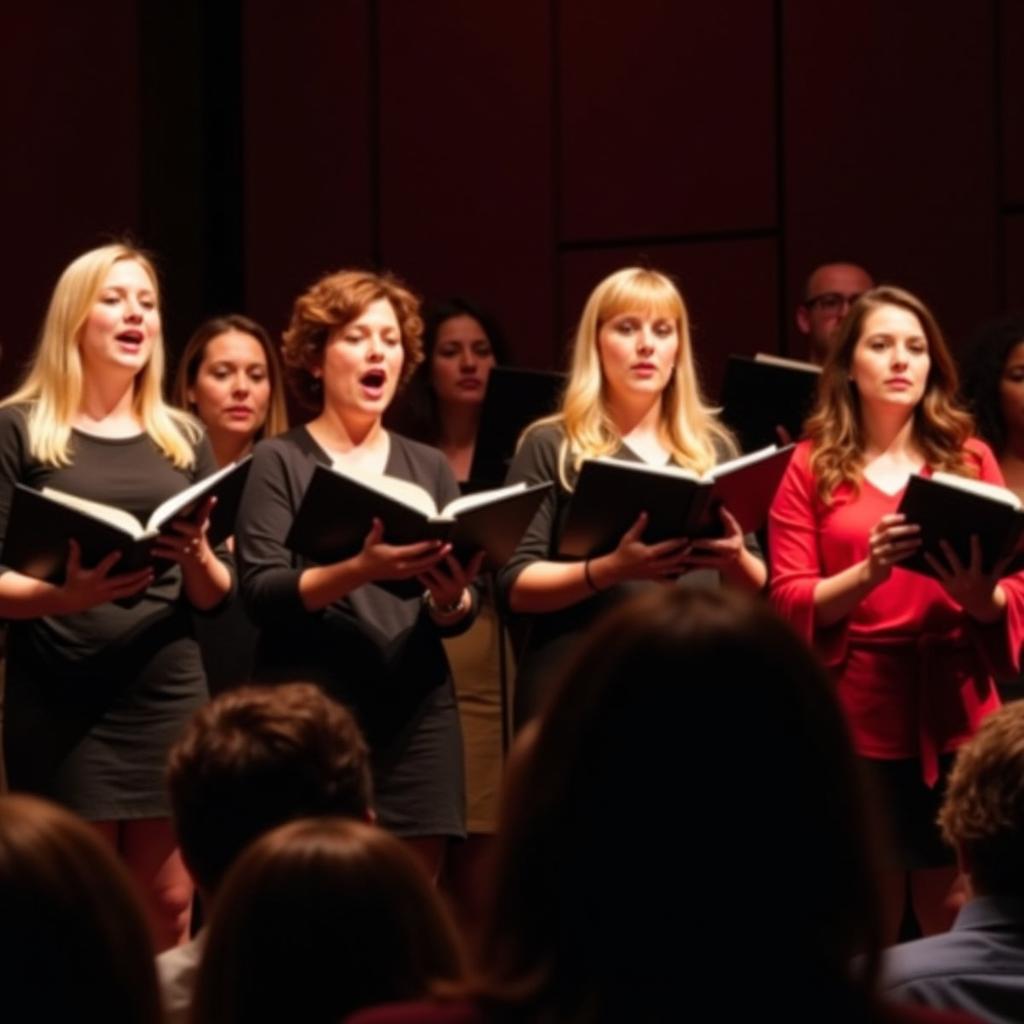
588	578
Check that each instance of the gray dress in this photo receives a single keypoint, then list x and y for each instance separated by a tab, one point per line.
549	637
375	650
94	700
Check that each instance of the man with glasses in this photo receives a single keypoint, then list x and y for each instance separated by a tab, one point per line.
828	294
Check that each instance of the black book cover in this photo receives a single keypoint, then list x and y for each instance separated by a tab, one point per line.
610	494
946	512
758	396
514	399
39	528
337	512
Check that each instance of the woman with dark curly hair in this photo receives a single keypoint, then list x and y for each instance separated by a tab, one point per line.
993	388
354	337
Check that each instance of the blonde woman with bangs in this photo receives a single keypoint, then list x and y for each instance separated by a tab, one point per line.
102	668
912	657
632	394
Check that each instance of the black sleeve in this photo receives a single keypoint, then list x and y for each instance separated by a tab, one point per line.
536	462
13	451
268	573
206	463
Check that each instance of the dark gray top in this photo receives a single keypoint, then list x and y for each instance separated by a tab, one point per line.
549	636
376	650
95	699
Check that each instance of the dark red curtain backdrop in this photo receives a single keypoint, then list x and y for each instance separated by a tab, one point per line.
516	152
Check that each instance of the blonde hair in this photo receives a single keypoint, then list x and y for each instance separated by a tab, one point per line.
689	425
52	386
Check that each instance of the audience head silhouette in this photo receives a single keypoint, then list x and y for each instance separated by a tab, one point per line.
255	758
319	918
74	942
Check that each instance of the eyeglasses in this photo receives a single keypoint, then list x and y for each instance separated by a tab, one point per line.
832	302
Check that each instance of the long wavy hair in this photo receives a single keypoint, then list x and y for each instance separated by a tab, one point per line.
836	428
195	351
52	386
690	427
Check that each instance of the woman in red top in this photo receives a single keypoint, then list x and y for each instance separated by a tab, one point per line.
913	657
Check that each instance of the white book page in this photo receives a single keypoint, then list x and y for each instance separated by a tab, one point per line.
793	364
106	513
468	501
982	487
166	510
646	467
409	494
724	468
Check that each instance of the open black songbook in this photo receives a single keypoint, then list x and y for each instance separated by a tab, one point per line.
41	523
761	394
339	507
951	508
611	493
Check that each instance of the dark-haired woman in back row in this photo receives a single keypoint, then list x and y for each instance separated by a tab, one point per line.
441	406
229	376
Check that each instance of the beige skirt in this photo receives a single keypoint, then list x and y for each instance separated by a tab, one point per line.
474	660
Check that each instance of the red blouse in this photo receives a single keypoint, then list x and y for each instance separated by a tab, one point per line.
914	671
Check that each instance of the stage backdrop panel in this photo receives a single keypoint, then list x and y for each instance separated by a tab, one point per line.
889	155
309	147
667	118
465	159
70	175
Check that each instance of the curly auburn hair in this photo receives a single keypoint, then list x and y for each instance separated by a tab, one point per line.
334	301
835	427
983	810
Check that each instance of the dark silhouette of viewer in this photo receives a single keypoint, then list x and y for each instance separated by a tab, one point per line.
74	941
668	845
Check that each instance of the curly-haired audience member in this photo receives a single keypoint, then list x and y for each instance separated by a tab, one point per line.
912	656
978	966
354	337
253	759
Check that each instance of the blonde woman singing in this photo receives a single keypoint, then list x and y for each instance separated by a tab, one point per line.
98	688
632	394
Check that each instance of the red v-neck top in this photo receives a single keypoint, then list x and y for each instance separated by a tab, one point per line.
914	671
